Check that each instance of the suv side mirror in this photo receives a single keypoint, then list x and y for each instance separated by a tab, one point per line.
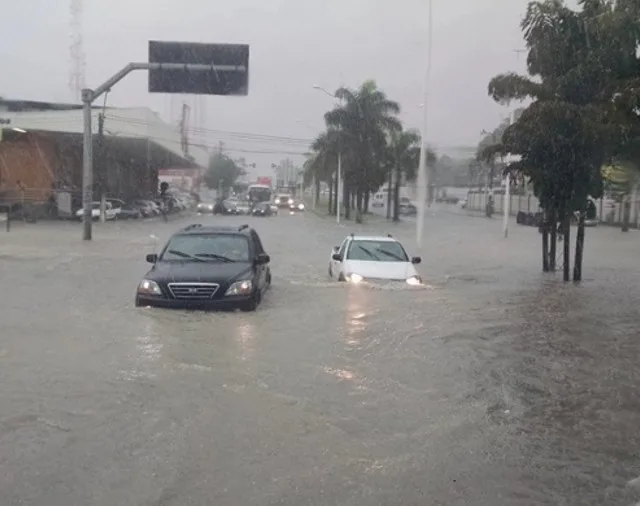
337	257
152	258
416	260
262	259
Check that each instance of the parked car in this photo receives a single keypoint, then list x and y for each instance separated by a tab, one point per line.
129	212
109	212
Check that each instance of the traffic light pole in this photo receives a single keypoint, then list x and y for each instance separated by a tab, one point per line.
89	96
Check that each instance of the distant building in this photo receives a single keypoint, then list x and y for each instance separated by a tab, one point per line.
41	151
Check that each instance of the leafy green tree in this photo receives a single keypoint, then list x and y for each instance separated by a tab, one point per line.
222	173
575	63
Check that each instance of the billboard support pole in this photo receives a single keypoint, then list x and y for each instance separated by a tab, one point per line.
89	96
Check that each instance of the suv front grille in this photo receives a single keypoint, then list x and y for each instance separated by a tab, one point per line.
193	291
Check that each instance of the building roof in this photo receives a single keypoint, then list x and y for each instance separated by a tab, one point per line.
140	122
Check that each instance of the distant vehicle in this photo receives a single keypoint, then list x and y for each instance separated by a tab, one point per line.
206	207
116	204
109	212
243	207
407	209
363	258
264	209
147	207
283	200
130	212
296	206
259	193
205	267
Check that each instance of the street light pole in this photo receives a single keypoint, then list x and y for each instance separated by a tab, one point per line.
89	96
423	175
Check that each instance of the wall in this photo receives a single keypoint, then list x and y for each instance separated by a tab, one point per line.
27	164
608	212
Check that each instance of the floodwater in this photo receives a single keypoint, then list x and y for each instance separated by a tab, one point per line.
493	385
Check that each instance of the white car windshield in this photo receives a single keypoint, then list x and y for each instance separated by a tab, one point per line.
377	251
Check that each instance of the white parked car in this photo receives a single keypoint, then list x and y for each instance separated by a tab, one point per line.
363	258
109	211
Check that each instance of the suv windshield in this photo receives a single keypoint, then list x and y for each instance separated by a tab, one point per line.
377	251
207	248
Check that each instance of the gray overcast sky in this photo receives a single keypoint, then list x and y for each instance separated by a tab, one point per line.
294	44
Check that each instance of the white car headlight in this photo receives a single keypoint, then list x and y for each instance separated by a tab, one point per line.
243	287
290	201
355	278
277	201
414	280
149	287
301	206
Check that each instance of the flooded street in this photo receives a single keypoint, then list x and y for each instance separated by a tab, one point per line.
494	384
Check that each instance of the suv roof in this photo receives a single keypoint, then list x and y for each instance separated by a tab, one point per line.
196	228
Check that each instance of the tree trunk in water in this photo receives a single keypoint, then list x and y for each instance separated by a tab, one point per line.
396	199
577	262
566	229
359	198
626	216
346	198
545	241
331	196
554	241
389	194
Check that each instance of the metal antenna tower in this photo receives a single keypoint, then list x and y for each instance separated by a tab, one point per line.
76	53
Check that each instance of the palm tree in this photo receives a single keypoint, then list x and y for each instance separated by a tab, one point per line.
363	121
404	150
322	164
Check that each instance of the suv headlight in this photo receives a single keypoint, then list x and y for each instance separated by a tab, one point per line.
301	206
355	278
243	287
414	280
277	201
290	201
149	287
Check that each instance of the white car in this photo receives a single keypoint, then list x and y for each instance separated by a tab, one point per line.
364	258
109	211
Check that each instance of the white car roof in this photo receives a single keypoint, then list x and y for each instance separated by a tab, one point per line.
380	238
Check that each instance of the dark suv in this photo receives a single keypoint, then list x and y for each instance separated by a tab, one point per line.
207	267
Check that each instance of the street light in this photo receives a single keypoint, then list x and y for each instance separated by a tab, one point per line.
339	175
423	175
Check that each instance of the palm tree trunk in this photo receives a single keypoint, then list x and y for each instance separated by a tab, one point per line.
389	186
626	216
577	262
331	196
396	197
317	189
554	240
545	241
566	227
345	198
367	195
